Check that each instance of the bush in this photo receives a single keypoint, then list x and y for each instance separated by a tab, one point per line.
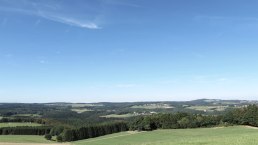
48	137
59	138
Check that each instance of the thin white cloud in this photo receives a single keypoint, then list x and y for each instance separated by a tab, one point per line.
49	13
70	21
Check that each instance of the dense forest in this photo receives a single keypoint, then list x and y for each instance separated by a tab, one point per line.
241	116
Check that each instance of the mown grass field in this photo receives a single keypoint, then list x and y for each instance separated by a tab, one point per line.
23	139
238	135
14	124
207	136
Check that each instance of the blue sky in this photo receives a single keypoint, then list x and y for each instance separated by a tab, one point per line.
127	50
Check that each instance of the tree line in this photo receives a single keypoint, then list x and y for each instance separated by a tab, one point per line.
91	131
241	116
173	121
23	119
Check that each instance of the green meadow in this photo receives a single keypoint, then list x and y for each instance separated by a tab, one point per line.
23	139
15	124
238	135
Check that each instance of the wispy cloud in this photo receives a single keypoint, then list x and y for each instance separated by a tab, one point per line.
70	21
49	12
42	60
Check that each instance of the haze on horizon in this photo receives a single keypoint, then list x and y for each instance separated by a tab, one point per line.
128	50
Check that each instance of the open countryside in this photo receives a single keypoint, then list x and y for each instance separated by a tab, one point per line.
236	135
128	72
121	123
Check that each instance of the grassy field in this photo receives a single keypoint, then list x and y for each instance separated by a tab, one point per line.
208	108
84	105
208	136
238	135
152	106
119	116
18	124
80	110
26	115
23	139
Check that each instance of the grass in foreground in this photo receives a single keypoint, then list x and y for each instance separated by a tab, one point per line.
23	139
207	136
14	124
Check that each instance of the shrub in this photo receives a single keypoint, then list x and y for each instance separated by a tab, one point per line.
59	138
48	137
